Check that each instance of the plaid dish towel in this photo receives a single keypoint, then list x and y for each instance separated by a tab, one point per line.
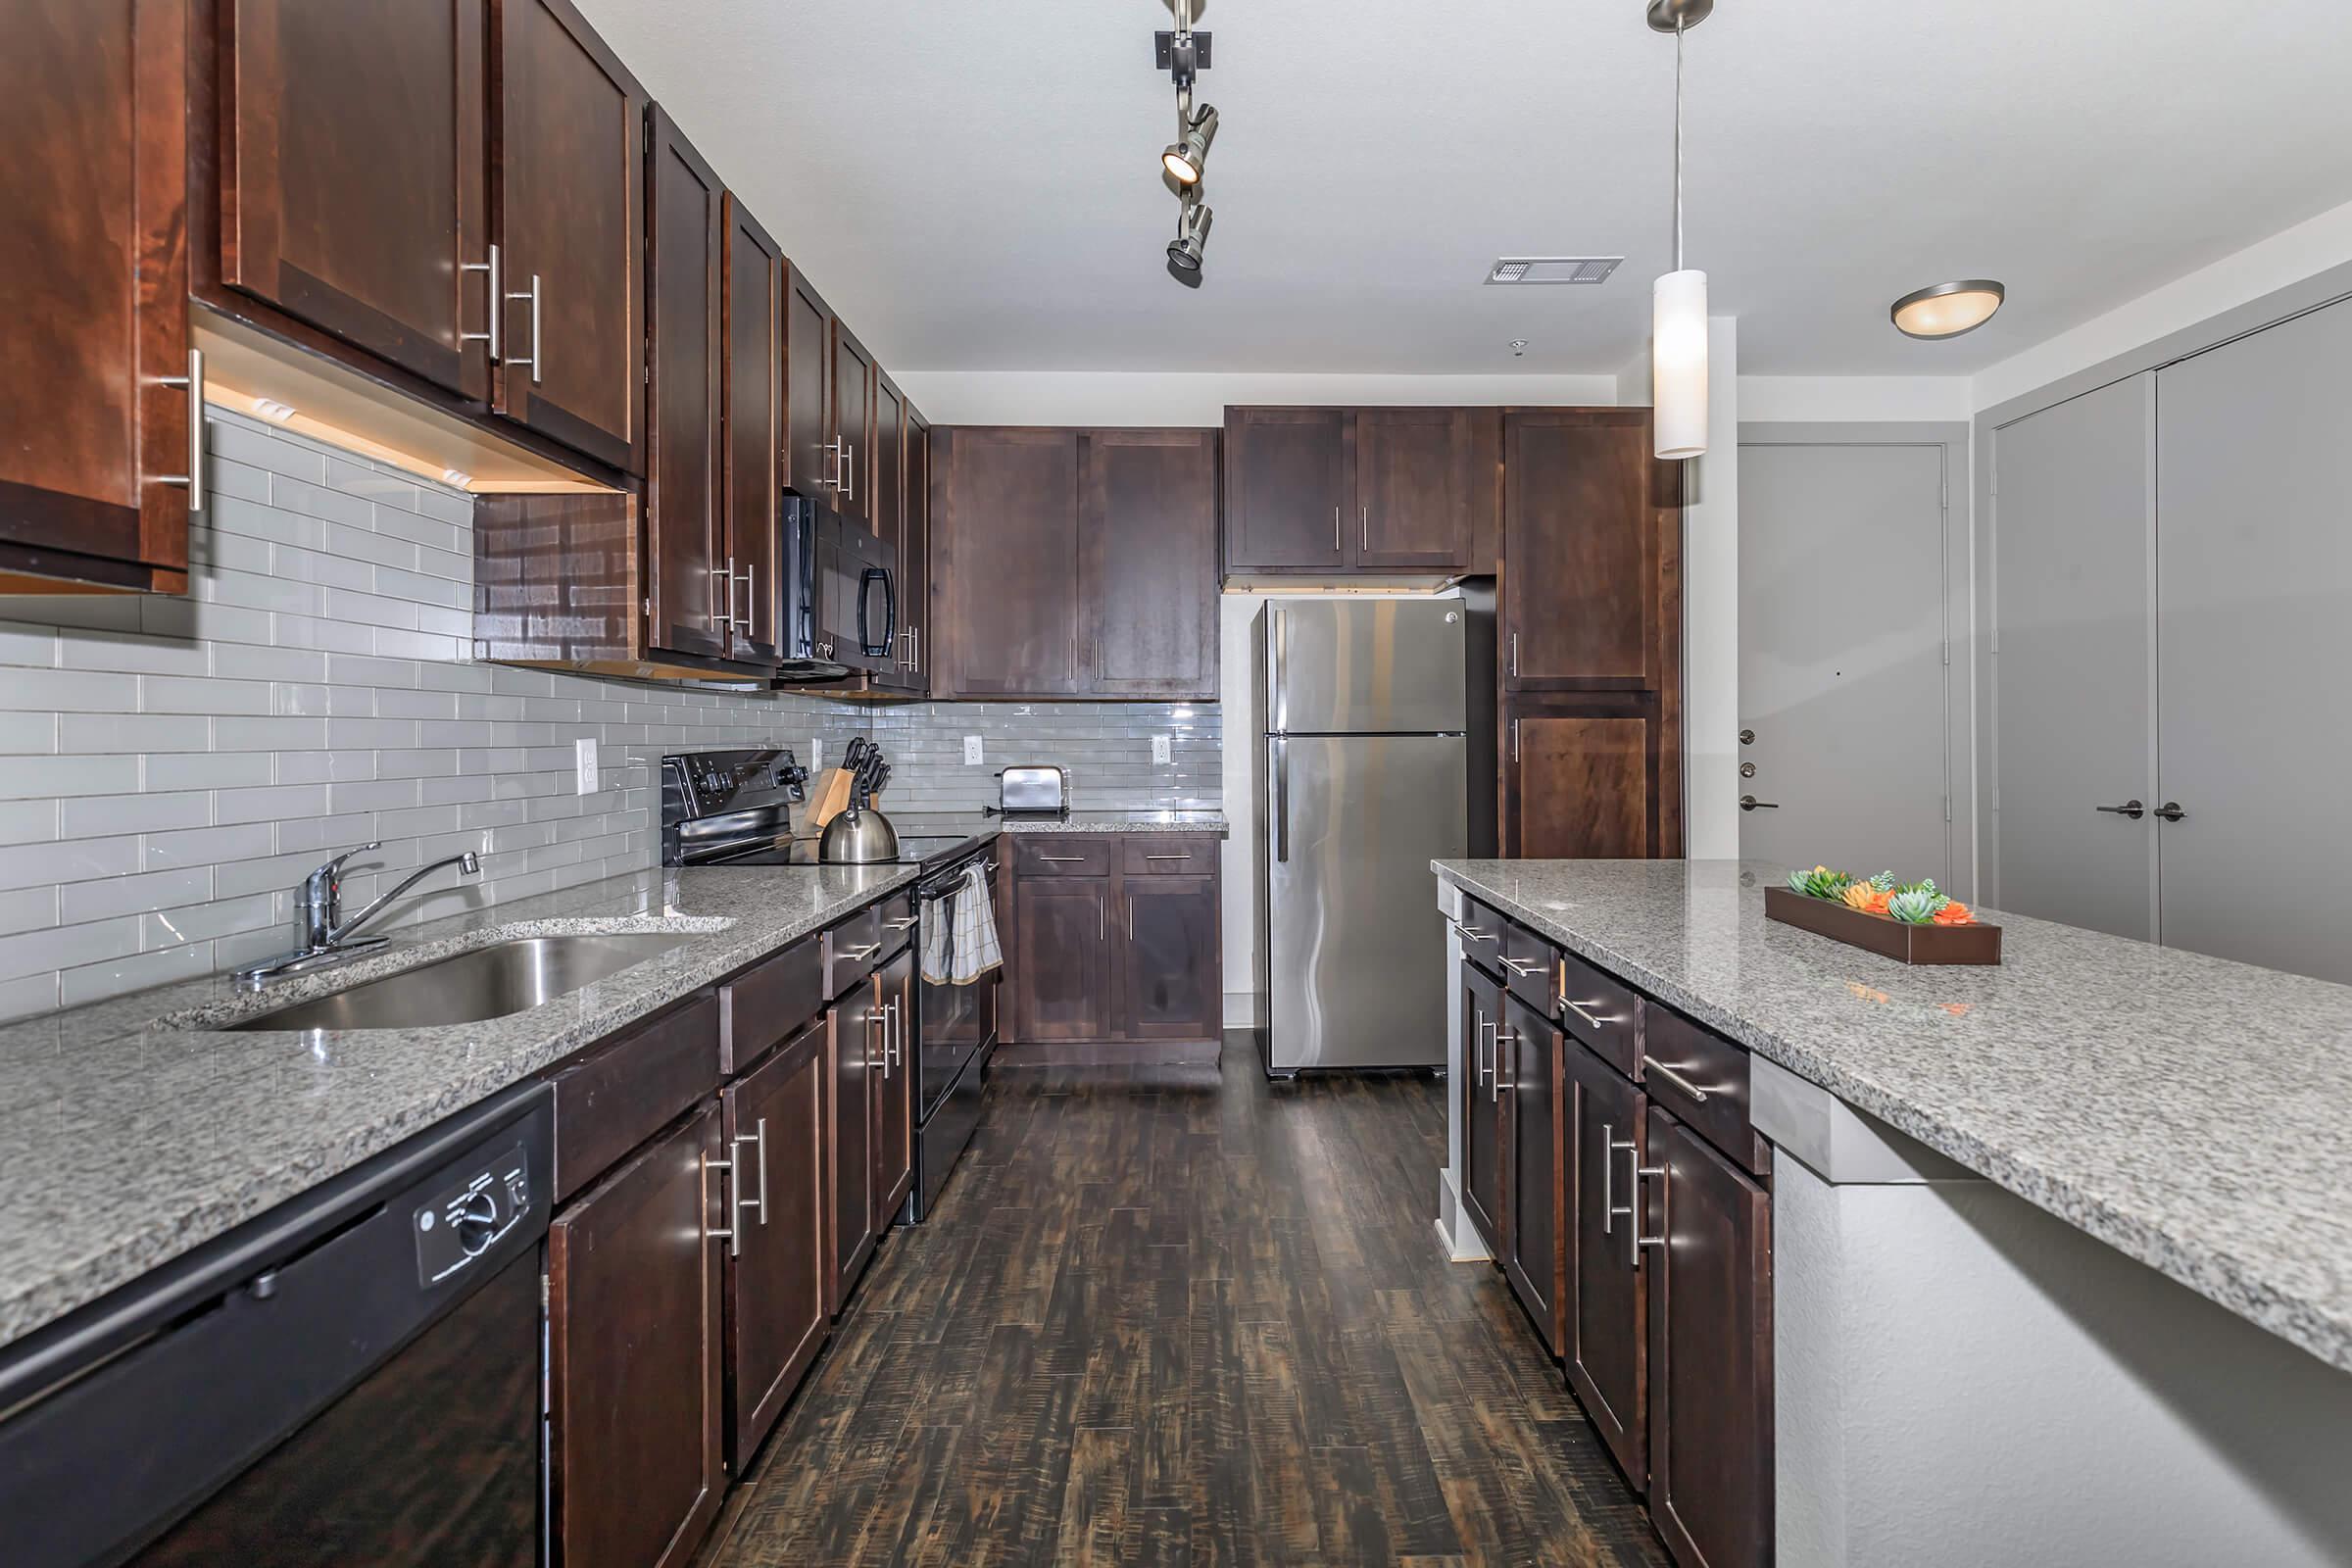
975	951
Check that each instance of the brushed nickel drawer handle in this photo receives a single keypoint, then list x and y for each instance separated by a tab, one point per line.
1577	1008
1677	1079
731	1234
1521	968
1665	1213
1063	859
860	955
1167	857
902	925
1471	933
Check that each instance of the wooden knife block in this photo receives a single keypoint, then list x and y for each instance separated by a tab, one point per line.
828	796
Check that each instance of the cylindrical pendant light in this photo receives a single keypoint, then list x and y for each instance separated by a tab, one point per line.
1678	326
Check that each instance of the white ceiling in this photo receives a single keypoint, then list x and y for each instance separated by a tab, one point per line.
977	186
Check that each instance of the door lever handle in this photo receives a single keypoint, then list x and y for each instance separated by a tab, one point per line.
2130	808
1748	802
2169	811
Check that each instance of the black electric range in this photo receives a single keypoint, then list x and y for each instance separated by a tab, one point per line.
736	808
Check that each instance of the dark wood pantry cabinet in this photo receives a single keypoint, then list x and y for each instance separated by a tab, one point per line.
693	583
94	349
1590	777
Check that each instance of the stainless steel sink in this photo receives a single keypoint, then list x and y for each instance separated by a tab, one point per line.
486	983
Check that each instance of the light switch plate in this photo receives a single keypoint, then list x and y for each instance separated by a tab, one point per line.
1163	750
816	753
971	751
584	765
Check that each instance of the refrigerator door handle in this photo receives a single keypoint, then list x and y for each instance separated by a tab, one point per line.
1279	699
1282	797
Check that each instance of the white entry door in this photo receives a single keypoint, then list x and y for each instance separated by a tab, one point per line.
2074	536
1841	674
2254	602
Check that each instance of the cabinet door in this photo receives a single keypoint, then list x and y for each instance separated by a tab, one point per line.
753	426
1422	490
915	559
1169	966
1710	1352
1289	484
850	1147
894	1090
567	201
1605	1322
354	146
855	382
1480	1102
1147	567
776	1273
93	209
1587	518
636	1472
684	528
812	467
890	519
1529	1050
1061	970
1007	557
1589	780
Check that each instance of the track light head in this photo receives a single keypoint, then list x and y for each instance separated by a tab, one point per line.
1192	239
1186	157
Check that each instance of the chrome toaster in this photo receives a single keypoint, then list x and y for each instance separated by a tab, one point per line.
1033	791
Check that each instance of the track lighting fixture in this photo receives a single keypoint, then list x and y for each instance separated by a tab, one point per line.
1188	154
1192	239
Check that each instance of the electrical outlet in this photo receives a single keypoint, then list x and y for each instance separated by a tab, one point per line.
1163	750
971	751
584	766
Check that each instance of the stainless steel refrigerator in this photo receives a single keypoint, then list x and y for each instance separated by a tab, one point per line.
1375	756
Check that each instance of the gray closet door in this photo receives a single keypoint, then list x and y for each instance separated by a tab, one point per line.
2254	601
2072	665
1841	674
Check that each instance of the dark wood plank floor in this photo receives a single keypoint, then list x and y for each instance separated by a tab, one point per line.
1174	1314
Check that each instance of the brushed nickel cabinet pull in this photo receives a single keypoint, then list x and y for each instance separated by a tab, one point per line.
1676	1079
1665	1215
492	336
758	1141
193	480
536	318
1579	1008
729	1234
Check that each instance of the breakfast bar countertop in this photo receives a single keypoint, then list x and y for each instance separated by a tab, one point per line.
2190	1111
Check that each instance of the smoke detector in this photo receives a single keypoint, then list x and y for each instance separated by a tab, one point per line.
1553	269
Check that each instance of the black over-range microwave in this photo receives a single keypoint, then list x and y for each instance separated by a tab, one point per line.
840	586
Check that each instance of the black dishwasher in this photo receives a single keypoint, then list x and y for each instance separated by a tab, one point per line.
350	1378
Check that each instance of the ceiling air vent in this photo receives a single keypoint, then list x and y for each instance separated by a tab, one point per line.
1553	269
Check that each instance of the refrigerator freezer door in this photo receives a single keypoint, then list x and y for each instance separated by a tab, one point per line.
1355	946
1379	667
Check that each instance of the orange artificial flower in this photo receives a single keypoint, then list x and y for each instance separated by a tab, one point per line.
1954	913
1869	900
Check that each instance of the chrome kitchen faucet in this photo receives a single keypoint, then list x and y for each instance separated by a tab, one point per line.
327	937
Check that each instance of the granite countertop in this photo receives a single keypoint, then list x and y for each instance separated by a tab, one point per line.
135	1129
1121	823
2192	1112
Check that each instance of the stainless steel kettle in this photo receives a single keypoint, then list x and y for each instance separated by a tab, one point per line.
858	835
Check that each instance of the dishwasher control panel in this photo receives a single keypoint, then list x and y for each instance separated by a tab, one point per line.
467	1217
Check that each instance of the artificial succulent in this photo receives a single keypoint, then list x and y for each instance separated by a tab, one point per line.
1916	906
1821	883
1883	881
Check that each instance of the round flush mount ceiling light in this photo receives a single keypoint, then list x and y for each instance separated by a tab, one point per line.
1948	309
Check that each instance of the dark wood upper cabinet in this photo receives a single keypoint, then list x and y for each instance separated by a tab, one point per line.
634	1340
93	226
811	464
896	512
1289	489
914	557
851	1028
1061	975
855	383
1710	1352
1590	778
1605	1321
1481	1107
1006	548
888	511
1592	593
685	529
753	422
355	158
776	1269
1148	563
1426	488
1529	1052
567	208
894	1088
1169	968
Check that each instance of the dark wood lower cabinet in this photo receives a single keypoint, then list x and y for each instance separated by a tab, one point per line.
1528	1052
1606	1336
1116	938
1062	964
777	1276
1710	1351
1170	969
635	1469
852	1026
1482	1114
893	1085
1589	778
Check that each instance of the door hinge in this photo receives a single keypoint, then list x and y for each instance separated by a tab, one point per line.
1948	649
1948	808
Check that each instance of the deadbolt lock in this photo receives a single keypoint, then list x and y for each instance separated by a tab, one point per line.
1748	737
1748	771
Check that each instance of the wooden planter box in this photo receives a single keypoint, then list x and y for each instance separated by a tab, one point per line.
1883	934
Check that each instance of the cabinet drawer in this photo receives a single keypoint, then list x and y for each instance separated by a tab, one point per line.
1601	1011
769	1002
1057	855
1700	1078
1191	856
1531	965
894	923
1483	935
852	948
618	1094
